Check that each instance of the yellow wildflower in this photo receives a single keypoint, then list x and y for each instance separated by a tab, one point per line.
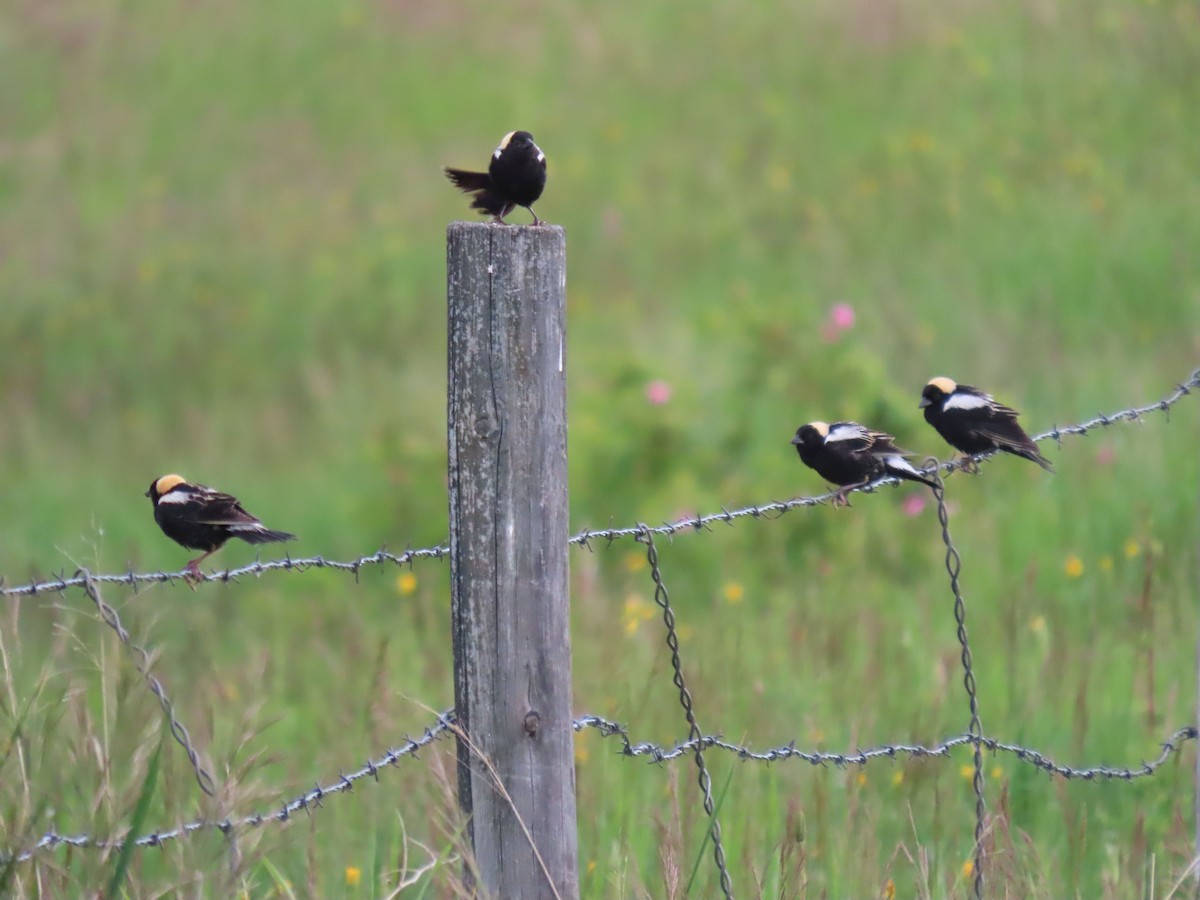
353	875
406	583
1073	566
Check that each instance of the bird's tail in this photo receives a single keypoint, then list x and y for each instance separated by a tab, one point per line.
492	204
468	182
902	468
1030	453
261	535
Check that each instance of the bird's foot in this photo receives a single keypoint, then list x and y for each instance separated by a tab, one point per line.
192	574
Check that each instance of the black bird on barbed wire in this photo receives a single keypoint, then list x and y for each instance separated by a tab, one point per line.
200	518
849	455
515	177
972	422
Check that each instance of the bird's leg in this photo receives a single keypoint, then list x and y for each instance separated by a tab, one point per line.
840	498
970	465
192	570
536	220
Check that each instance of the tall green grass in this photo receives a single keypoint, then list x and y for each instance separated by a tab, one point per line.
221	253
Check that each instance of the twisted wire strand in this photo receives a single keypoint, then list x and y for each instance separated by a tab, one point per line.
655	753
308	802
685	700
975	728
659	753
141	659
256	568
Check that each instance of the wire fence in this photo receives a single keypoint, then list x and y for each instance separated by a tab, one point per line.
697	742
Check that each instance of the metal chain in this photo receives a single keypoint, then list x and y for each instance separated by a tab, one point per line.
975	728
142	661
685	700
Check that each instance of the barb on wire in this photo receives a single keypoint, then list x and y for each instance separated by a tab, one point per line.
975	728
309	801
685	700
142	660
131	578
657	753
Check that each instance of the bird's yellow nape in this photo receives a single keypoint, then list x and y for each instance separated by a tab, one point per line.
504	140
167	482
944	384
821	428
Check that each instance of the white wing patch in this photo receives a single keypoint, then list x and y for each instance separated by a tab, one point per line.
247	526
847	431
541	157
962	400
899	464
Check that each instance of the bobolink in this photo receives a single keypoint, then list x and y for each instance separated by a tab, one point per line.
199	518
973	422
515	177
849	455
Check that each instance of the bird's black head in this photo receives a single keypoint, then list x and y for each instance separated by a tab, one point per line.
937	391
811	435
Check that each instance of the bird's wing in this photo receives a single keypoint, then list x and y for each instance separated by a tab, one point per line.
853	435
223	509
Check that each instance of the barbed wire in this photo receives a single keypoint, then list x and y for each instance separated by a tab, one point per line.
657	754
257	568
975	729
142	660
663	600
770	510
308	802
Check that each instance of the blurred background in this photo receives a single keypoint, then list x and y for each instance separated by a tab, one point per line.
222	235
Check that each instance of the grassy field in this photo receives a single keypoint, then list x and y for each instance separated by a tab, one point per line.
222	253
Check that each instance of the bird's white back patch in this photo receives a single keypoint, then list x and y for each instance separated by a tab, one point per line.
541	157
847	432
962	400
247	526
177	497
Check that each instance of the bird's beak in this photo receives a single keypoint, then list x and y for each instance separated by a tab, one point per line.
147	494
924	403
796	440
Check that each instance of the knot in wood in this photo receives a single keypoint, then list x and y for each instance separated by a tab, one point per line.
533	722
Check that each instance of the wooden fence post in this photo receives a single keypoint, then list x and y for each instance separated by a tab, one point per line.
508	556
